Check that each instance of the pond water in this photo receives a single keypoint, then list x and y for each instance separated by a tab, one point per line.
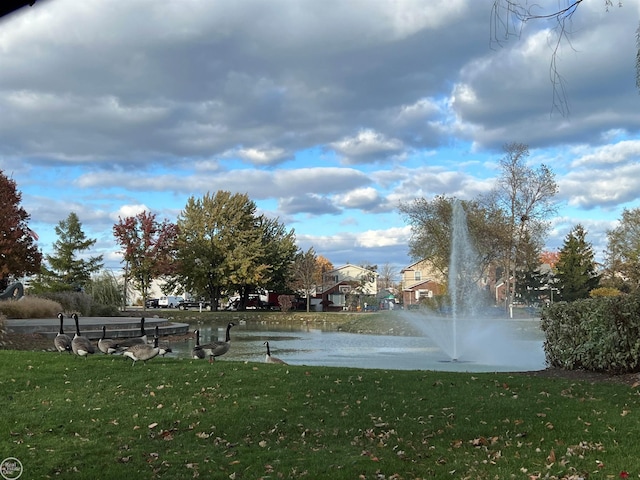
300	345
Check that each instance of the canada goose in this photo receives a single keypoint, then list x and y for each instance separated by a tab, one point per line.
141	340
81	345
142	351
269	359
218	348
62	341
107	345
164	349
197	352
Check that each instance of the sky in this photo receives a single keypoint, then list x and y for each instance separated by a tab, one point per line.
327	114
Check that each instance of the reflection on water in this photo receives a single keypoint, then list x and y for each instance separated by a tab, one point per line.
300	345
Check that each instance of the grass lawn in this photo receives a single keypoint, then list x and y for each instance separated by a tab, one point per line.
66	417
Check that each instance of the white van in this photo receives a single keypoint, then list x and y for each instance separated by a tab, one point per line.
169	301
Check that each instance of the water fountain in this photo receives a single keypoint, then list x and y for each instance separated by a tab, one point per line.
466	333
465	338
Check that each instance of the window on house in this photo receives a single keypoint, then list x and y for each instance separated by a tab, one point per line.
417	275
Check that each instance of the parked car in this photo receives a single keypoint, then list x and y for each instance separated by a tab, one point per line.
187	304
169	301
152	303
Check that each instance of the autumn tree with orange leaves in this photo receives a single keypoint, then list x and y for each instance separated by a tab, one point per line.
19	254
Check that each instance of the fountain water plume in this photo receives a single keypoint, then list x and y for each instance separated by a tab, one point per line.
467	333
464	274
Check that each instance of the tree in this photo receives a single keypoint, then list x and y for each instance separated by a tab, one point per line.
305	273
431	222
550	258
279	249
525	196
323	265
387	276
67	269
508	18
220	247
623	250
148	248
19	255
533	281
576	272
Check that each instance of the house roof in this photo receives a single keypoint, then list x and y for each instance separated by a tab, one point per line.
410	267
419	283
350	265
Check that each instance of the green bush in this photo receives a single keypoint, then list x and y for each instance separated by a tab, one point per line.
598	334
105	290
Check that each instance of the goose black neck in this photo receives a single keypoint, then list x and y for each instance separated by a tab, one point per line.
228	338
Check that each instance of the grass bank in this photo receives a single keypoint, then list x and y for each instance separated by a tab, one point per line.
66	417
388	323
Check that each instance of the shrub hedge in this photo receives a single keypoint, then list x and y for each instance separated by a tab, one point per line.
597	334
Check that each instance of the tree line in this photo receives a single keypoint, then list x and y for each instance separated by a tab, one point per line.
219	245
509	226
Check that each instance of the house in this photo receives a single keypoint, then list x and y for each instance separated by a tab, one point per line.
343	287
421	280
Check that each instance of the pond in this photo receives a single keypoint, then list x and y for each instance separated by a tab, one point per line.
301	345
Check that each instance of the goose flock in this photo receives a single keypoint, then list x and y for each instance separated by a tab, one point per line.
139	348
136	348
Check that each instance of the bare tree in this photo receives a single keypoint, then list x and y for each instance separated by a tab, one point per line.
509	17
387	276
304	273
525	195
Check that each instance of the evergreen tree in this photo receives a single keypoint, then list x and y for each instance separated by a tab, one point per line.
67	269
576	272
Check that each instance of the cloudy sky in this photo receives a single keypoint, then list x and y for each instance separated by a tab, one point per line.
328	113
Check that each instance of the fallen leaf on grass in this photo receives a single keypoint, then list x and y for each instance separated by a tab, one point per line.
551	458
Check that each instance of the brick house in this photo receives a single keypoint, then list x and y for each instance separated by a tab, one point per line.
421	280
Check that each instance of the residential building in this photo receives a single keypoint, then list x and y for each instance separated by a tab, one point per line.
343	287
421	280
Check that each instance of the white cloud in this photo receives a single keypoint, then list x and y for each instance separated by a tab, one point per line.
367	146
314	109
609	155
130	211
385	238
363	198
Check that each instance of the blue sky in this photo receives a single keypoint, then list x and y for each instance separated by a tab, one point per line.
327	114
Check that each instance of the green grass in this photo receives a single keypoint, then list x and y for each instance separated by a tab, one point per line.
66	417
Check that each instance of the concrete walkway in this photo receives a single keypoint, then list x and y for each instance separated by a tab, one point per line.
91	327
